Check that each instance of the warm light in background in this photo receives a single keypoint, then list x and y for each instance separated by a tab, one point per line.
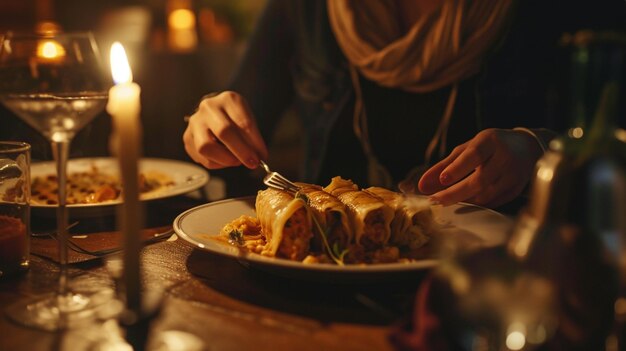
181	26
576	133
182	19
515	340
120	68
214	29
47	27
50	49
516	336
545	173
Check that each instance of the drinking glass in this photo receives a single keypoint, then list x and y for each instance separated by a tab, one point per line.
55	82
14	207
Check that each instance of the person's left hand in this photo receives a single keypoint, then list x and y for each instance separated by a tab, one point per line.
489	170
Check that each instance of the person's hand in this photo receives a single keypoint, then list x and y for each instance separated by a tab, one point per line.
490	169
223	133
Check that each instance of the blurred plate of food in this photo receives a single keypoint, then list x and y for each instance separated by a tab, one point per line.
95	182
217	228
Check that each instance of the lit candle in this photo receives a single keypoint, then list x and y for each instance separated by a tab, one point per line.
124	107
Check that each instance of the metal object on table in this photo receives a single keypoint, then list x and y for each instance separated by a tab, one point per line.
46	233
105	252
277	181
581	180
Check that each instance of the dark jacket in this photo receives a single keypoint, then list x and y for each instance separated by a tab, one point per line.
294	60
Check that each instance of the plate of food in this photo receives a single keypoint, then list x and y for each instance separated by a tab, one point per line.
95	182
339	233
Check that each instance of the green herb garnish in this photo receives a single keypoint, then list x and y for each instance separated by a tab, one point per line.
235	237
303	197
336	254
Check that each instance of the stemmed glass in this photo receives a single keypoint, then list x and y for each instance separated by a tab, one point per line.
55	82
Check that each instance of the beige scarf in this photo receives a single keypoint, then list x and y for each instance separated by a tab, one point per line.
439	50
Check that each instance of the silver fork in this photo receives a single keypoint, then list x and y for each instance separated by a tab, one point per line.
105	252
277	181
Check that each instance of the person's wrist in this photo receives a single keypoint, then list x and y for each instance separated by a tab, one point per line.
543	146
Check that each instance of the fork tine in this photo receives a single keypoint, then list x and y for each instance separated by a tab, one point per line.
280	183
285	180
279	178
275	183
276	180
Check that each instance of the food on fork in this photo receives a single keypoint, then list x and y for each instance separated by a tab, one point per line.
375	225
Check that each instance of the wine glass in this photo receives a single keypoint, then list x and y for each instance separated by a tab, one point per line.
54	82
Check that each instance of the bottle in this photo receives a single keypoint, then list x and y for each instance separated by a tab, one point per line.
573	231
559	283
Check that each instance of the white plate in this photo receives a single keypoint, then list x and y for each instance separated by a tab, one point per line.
186	177
468	226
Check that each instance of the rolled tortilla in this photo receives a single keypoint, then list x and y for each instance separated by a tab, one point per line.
330	213
370	216
413	218
285	223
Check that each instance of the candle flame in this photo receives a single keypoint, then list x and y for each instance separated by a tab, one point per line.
50	49
119	64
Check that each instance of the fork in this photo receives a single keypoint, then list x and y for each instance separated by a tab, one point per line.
105	252
277	181
52	232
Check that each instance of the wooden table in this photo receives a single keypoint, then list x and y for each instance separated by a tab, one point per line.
226	306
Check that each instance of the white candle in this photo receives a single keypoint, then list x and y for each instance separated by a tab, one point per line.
124	107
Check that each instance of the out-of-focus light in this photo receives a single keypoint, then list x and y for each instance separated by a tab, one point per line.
182	36
50	49
47	27
214	29
620	134
516	336
620	306
576	132
612	343
174	340
515	341
545	174
183	40
182	19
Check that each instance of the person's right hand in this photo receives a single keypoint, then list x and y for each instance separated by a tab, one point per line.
490	169
223	133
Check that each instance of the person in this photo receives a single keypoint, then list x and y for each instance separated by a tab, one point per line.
384	88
